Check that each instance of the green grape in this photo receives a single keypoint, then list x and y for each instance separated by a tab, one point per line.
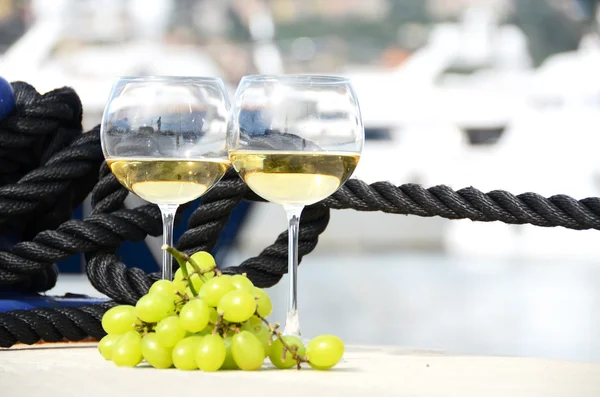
254	320
169	331
106	345
194	315
197	282
229	362
127	352
180	286
178	277
265	305
154	353
205	261
247	351
119	319
153	307
207	330
213	317
184	353
163	287
242	282
213	290
262	332
324	351
237	306
276	356
211	353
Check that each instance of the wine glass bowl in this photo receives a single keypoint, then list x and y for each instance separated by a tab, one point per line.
295	140
164	139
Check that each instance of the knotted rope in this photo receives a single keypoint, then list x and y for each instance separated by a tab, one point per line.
38	194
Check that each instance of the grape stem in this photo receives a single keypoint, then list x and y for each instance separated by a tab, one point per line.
286	348
221	327
188	281
144	328
197	269
184	299
182	258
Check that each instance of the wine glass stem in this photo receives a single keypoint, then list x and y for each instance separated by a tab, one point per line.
292	322
168	216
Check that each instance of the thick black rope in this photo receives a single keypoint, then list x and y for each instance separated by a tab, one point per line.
127	285
63	181
52	325
101	234
37	128
468	203
47	167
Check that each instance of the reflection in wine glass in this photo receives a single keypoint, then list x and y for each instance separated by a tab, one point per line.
295	139
164	138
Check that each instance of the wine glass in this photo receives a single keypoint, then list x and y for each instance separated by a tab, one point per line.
295	139
164	138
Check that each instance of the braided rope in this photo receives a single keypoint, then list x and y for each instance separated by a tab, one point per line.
52	325
468	203
61	172
47	167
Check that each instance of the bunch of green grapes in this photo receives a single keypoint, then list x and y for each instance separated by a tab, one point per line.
209	321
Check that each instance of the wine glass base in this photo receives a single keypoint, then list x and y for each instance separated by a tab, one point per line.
292	324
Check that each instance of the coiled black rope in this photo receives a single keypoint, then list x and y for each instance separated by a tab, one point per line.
52	325
47	167
101	234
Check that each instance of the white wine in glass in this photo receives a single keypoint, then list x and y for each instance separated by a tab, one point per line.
164	139
171	181
295	140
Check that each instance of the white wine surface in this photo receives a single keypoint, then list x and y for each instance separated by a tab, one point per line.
168	181
294	178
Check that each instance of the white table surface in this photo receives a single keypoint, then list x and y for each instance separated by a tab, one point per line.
79	371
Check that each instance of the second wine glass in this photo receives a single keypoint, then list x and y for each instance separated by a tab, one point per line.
295	140
164	138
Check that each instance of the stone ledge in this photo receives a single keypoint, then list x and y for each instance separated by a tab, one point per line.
77	370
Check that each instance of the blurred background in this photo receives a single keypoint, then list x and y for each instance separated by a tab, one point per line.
495	94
